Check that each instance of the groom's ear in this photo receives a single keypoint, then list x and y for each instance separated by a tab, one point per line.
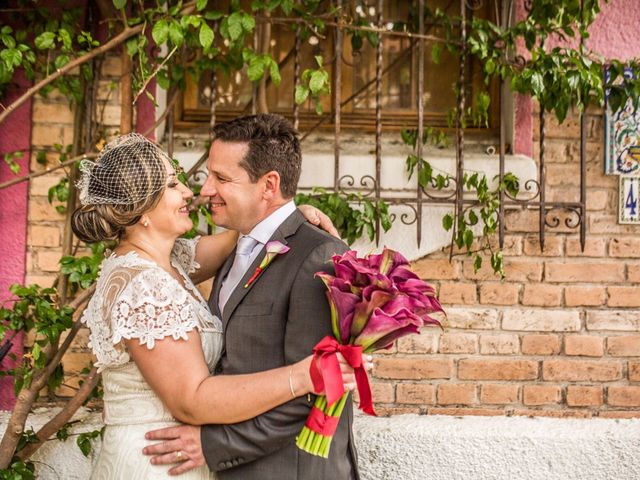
271	185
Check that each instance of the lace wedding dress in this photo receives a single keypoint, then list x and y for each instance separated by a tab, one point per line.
136	299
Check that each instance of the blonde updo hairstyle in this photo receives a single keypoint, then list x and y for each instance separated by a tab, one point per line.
127	180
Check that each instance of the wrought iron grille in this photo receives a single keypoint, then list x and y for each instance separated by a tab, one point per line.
552	214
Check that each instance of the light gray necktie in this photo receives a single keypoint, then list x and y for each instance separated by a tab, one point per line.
241	262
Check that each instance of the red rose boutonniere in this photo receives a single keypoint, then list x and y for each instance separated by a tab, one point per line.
274	248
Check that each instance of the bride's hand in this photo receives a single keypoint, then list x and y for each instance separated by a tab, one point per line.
346	370
319	219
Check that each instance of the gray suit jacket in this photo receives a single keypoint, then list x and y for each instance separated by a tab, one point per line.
276	321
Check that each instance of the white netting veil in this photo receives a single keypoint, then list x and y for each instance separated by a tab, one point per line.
130	169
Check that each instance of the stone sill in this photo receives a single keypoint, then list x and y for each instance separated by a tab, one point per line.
412	447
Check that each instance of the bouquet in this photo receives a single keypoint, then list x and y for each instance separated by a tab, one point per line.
374	301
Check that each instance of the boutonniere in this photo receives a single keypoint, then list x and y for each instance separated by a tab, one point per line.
274	248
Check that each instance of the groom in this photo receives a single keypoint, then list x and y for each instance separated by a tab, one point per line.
254	166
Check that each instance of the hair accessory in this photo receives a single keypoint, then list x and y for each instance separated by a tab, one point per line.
129	169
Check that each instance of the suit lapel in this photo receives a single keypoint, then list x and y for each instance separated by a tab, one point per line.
286	229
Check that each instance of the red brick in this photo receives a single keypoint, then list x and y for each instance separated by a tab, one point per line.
553	246
540	394
618	320
625	346
515	271
41	209
42	280
48	260
435	269
590	296
608	224
579	396
426	342
542	295
498	293
633	273
493	369
415	393
521	221
540	344
40	186
472	318
560	175
413	368
624	296
499	394
458	343
541	320
619	396
634	371
40	236
456	394
618	414
625	247
584	345
598	200
500	344
390	411
458	293
593	247
57	113
581	370
579	272
465	411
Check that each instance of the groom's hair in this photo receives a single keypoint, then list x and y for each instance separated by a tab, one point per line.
273	145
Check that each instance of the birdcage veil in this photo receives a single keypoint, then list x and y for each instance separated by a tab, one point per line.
129	169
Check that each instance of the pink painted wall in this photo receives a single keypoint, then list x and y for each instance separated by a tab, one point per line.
15	134
612	35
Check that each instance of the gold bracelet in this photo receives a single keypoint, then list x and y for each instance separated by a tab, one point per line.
293	392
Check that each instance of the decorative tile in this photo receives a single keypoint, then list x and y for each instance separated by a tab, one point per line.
622	140
628	204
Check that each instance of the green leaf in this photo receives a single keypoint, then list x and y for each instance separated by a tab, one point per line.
175	33
45	40
301	95
119	4
201	5
274	71
477	263
160	32
213	15
206	35
317	81
256	69
436	53
447	222
12	57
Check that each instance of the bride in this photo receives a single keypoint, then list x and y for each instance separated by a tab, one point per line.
155	340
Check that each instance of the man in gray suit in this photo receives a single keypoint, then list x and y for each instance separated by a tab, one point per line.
254	166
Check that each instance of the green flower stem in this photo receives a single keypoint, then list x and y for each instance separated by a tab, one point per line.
314	443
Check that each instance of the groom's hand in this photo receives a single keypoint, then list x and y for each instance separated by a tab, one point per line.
181	445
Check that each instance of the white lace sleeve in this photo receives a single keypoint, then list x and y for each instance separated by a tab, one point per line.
184	252
151	308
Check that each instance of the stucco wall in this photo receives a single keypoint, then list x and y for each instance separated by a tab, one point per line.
15	135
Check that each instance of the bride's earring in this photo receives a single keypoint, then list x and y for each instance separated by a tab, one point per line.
145	223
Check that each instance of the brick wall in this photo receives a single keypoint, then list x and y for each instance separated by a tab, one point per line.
560	336
52	123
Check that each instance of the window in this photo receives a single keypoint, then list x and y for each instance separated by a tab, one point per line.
399	82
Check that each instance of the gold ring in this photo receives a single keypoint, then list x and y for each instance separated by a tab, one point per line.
179	455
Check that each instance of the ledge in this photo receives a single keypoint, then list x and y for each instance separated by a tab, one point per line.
412	447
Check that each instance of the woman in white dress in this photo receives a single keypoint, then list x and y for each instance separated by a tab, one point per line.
155	340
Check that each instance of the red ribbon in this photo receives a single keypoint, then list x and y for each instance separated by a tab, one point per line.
319	422
329	379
